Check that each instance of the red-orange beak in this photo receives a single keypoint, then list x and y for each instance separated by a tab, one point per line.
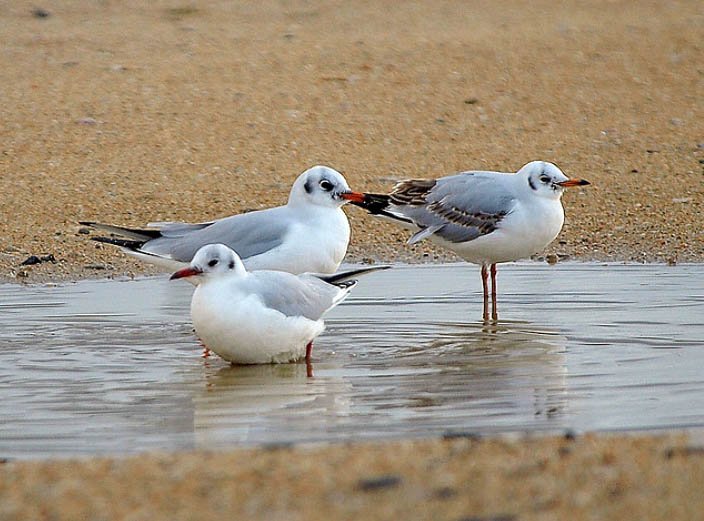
574	182
354	197
188	271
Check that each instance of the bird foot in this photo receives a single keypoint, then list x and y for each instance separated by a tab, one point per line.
309	365
206	351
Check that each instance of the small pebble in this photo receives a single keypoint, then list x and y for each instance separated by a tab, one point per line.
38	12
498	517
95	266
378	483
32	259
684	452
570	435
444	493
284	445
467	435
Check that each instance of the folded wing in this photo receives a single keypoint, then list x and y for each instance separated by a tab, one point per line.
457	208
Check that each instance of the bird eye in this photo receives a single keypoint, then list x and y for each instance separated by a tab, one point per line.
326	185
544	179
212	263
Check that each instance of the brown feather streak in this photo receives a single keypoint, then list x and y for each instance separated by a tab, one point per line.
485	222
412	192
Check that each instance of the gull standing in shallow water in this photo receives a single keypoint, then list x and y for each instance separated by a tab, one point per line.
484	217
310	233
260	317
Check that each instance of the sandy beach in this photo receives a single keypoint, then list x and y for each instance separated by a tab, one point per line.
135	112
131	114
612	477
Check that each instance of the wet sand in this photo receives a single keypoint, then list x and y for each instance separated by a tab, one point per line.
189	111
457	479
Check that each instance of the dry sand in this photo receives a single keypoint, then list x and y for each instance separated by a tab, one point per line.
130	112
177	111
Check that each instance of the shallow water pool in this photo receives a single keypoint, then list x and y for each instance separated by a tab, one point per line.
113	367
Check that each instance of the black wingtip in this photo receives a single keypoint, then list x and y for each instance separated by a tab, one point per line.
123	243
345	284
373	203
344	276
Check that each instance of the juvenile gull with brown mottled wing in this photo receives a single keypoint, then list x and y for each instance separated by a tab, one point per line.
484	217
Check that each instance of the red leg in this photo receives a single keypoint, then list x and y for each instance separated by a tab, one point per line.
206	351
309	365
485	285
494	312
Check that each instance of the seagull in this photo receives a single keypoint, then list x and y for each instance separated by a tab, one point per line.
260	317
310	233
484	217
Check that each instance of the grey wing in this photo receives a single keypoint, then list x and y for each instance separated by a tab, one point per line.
177	229
460	208
293	296
248	234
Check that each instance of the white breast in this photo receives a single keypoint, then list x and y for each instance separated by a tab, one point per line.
525	231
317	242
242	330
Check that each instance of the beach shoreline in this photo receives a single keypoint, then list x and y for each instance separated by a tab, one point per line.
128	113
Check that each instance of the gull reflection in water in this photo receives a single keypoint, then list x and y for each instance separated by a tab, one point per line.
437	376
271	403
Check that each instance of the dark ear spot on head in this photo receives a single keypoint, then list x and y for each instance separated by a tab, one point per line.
308	186
231	265
531	183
